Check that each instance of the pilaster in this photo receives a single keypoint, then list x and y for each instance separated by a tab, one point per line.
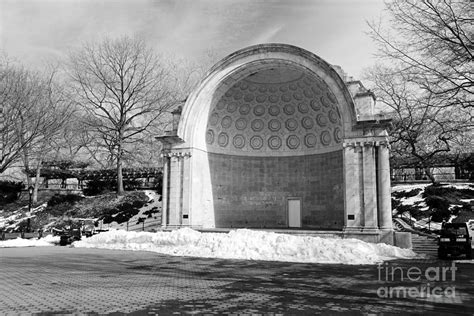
352	202
370	186
384	190
175	195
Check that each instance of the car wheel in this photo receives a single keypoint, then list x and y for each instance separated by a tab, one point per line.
442	254
63	242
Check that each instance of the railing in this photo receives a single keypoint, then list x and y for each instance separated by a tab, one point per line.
411	177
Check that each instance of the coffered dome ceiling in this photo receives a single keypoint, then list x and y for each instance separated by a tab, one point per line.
278	111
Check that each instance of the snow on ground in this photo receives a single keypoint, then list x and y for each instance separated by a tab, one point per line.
153	198
425	223
248	244
464	261
419	202
19	242
409	187
20	215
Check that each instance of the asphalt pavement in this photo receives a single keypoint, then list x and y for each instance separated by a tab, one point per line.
65	280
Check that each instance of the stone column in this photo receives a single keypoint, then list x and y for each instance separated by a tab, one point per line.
174	191
384	191
370	187
165	196
352	210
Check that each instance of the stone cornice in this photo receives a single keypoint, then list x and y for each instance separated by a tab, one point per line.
176	154
363	143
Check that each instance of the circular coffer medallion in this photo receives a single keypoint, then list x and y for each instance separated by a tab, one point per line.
226	122
308	93
315	105
325	138
248	97
273	98
333	116
274	142
307	122
220	105
289	109
238	95
259	110
274	125
310	140
291	124
325	101
292	141
337	135
331	97
210	136
223	139
321	120
240	124
256	142
257	125
244	109
232	107
286	97
214	119
315	90
303	108
274	110
319	85
238	141
261	98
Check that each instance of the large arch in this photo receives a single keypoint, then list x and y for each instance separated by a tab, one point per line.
270	125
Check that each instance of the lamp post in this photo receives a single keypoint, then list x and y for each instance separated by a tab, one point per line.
30	192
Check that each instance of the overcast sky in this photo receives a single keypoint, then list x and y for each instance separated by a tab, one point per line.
34	31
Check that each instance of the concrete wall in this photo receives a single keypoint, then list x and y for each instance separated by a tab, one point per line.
253	191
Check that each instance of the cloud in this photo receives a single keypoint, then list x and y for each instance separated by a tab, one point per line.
32	30
268	35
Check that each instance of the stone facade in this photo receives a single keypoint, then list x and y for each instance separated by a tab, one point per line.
272	124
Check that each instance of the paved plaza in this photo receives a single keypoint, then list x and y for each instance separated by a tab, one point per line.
64	280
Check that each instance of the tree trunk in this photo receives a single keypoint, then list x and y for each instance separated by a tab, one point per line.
26	163
429	174
120	189
37	182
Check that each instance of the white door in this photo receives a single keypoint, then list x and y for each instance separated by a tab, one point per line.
294	213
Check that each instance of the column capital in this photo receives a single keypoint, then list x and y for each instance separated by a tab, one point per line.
383	143
352	144
365	141
176	154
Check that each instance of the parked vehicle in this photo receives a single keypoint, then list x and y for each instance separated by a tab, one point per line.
75	230
454	240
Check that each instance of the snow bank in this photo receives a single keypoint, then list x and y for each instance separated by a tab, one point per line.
248	244
19	242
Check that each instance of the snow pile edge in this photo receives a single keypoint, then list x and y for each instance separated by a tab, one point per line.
249	245
19	242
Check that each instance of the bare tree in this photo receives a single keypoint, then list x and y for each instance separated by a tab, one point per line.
422	129
434	41
30	115
124	89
